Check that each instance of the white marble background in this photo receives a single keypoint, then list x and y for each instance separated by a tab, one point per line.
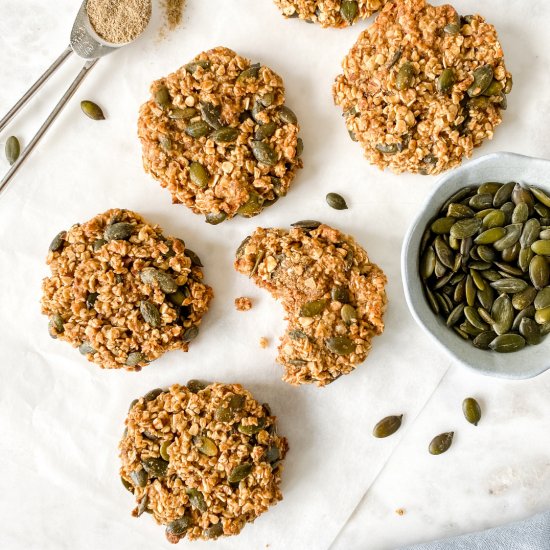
60	418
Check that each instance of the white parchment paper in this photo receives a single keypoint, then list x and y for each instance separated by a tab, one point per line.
61	417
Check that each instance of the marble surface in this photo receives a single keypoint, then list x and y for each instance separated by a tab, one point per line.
61	418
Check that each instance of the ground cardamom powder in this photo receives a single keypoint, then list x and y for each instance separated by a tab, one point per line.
119	21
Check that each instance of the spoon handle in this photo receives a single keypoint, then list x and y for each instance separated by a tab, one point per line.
34	88
53	115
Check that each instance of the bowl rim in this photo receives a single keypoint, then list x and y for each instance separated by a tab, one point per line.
409	275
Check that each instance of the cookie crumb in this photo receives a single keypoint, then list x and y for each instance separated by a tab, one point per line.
243	303
264	342
400	511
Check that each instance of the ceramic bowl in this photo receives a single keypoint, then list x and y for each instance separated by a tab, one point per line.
499	167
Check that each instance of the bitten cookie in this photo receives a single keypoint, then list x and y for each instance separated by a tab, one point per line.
218	135
333	295
422	87
203	459
330	13
122	292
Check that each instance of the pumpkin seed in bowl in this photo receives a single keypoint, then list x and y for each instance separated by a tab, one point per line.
218	135
122	292
484	267
333	295
203	459
422	87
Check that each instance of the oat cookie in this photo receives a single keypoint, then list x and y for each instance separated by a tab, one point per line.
422	87
202	459
330	13
333	295
218	135
122	292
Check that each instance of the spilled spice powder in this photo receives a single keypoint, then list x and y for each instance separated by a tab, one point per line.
119	21
173	12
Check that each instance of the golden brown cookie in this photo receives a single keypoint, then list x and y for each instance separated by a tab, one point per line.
122	292
203	459
423	86
218	135
330	13
333	295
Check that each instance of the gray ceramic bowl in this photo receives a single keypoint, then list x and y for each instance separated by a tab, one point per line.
501	167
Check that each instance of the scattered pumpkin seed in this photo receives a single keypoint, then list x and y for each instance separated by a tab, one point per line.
195	386
387	148
92	110
134	358
205	445
238	473
86	348
155	467
349	10
471	410
179	526
215	218
287	115
341	345
264	153
446	81
387	426
120	231
199	175
252	72
58	241
186	113
214	531
198	129
405	76
441	443
336	201
226	134
190	334
313	308
150	313
162	97
143	504
12	149
252	429
483	76
196	499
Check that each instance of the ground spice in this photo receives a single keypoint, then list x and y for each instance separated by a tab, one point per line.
173	12
119	21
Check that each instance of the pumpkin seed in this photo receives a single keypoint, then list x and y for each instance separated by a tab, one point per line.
503	194
12	149
530	330
340	294
120	231
264	153
539	272
524	259
530	233
313	308
446	81
542	316
482	340
98	244
527	312
545	234
486	297
387	148
336	201
195	386
139	478
486	253
134	358
197	129
441	443
477	278
405	76
349	10
306	224
483	77
199	175
541	247
236	402
150	275
252	429
394	58
545	329
214	531
252	72
143	504
152	394
238	473
471	410
470	291
194	65
162	97
541	196
503	314
495	218
441	226
465	228
164	450
179	526
252	206
57	321
227	134
473	317
265	131
58	241
215	218
205	445
341	345
196	499
156	467
495	88
481	201
190	334
455	315
183	114
86	348
387	426
223	414
524	299
507	343
542	299
91	110
287	115
458	210
520	213
444	252
348	314
510	285
513	234
522	195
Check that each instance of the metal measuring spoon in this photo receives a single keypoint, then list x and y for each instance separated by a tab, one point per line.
85	43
